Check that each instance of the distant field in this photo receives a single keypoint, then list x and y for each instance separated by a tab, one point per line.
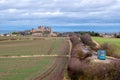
115	41
31	68
30	47
7	38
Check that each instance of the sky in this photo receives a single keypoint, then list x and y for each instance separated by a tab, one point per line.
61	15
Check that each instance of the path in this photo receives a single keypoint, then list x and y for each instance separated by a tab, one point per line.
95	58
56	71
28	56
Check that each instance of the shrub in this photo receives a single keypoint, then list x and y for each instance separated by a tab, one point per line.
110	49
86	39
99	71
75	40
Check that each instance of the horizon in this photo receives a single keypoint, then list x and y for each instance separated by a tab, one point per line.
63	29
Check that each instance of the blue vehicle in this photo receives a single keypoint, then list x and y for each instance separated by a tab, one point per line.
101	54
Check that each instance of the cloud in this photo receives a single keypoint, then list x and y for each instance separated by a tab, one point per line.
60	12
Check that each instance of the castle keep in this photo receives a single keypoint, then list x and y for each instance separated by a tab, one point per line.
42	31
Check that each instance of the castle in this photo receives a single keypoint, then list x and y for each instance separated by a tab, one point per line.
42	31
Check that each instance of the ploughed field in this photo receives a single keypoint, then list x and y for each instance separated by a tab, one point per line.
29	47
23	68
45	67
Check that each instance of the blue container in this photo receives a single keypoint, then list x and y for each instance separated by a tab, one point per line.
101	54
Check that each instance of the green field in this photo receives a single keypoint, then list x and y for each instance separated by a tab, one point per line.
29	47
115	41
23	68
28	68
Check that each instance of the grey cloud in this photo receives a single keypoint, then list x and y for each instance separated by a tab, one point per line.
62	11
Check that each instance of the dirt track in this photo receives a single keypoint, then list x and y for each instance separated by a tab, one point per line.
27	56
56	71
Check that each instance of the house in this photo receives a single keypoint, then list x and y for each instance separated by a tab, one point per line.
1	34
117	35
53	34
105	35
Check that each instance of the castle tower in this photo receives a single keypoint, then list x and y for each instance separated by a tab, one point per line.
40	28
47	29
33	30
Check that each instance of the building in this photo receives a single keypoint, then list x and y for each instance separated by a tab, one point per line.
105	35
1	34
42	31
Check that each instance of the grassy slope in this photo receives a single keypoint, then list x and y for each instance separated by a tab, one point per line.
108	40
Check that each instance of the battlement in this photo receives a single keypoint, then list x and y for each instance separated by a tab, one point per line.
41	29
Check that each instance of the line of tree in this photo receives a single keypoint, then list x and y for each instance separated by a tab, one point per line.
23	33
89	32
